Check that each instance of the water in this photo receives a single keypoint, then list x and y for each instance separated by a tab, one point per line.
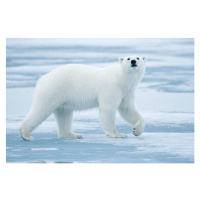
165	97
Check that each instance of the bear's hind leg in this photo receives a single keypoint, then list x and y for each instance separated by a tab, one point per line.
38	113
64	119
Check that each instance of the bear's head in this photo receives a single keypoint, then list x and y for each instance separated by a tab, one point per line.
133	64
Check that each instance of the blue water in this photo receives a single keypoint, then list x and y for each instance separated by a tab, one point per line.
165	97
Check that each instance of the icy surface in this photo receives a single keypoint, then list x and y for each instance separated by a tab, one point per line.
165	97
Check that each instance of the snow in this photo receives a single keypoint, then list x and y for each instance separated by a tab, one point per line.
165	97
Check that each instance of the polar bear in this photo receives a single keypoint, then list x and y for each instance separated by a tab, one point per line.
76	87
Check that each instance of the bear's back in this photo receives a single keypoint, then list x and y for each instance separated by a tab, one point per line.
74	85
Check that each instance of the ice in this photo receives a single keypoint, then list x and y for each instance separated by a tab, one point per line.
43	149
162	142
165	97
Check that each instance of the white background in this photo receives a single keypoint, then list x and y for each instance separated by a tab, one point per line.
98	19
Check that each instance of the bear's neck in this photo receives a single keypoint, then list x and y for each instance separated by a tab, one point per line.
129	81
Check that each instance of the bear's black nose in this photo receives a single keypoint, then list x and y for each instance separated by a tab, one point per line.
133	62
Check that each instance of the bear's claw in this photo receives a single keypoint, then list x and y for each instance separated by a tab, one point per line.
27	138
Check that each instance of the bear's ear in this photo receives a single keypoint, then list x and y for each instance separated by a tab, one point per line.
144	58
120	59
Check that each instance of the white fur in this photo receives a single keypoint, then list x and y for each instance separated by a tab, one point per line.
80	87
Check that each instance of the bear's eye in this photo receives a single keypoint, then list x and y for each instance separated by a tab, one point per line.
137	58
128	59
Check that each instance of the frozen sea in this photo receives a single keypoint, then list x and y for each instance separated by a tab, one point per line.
165	97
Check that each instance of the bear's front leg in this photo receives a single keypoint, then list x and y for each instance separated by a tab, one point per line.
138	128
133	117
107	117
